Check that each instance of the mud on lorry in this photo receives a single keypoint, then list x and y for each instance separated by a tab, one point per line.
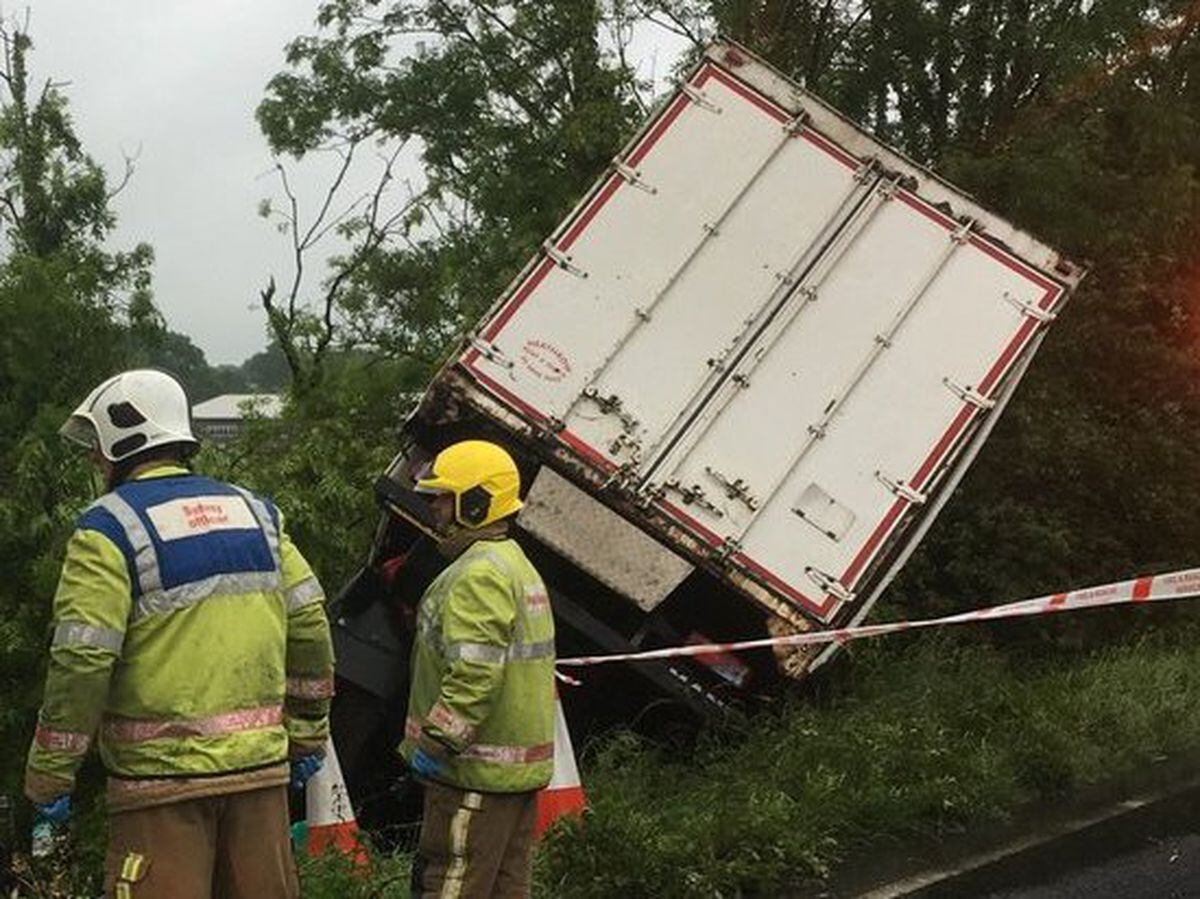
740	380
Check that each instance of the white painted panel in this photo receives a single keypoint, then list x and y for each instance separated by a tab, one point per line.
630	249
716	299
674	278
892	419
678	310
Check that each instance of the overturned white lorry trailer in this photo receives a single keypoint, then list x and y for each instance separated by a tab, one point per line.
741	379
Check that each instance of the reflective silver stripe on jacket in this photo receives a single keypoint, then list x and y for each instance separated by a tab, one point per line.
145	559
525	651
270	532
184	595
489	652
304	593
474	652
76	633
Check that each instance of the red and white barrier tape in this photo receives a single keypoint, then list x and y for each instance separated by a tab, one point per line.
1176	585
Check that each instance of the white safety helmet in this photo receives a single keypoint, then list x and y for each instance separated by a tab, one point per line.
132	412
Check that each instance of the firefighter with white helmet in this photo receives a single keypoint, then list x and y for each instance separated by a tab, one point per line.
480	727
190	640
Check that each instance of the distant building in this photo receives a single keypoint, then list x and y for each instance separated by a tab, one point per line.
220	419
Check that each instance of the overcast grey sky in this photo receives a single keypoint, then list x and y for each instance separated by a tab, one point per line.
176	83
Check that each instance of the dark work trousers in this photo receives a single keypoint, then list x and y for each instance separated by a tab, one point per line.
475	845
235	846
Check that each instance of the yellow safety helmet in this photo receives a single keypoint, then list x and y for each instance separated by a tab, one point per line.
482	477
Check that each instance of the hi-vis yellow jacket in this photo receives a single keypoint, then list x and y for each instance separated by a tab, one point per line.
483	671
191	633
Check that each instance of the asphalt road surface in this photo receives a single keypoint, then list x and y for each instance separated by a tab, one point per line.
1165	867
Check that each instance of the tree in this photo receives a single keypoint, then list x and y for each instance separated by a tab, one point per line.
68	309
516	108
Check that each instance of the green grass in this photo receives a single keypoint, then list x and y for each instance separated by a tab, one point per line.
929	739
914	738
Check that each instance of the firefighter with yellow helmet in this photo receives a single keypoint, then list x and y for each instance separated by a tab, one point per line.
480	726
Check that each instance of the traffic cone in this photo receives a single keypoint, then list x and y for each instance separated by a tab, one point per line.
329	813
564	795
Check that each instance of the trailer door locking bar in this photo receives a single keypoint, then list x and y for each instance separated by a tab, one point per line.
693	495
735	488
611	405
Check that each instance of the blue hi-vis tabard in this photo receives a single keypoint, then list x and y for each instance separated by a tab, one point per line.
185	537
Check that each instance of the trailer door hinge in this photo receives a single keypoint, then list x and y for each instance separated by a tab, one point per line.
866	169
963	232
491	352
562	260
1033	310
900	488
698	97
828	583
969	395
728	548
796	125
632	177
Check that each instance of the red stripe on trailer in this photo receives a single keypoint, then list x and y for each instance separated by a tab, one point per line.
890	519
593	455
1000	366
777	112
1141	589
942	446
1056	601
573	440
709	536
822	609
926	210
823	143
771	108
585	218
639	152
539	274
1010	261
507	395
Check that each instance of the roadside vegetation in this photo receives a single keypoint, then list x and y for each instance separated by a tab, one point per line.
909	741
1077	121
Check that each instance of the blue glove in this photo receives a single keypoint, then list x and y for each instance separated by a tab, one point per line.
304	768
49	820
427	765
56	812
